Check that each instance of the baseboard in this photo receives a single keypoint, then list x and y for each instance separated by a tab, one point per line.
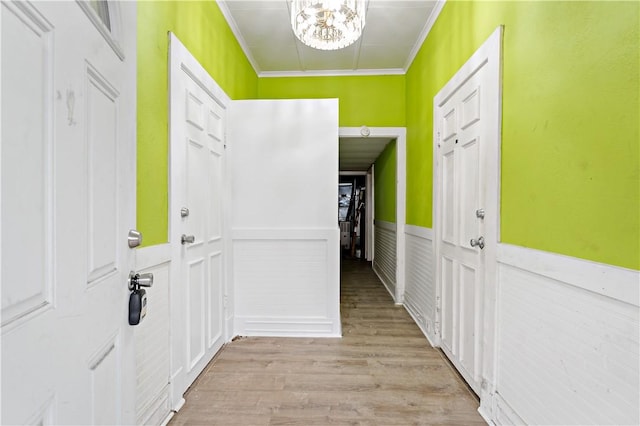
286	327
384	282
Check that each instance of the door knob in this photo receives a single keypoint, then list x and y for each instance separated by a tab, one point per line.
137	280
134	239
477	242
184	239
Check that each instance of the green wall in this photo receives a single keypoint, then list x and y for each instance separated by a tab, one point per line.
374	101
201	27
570	132
385	184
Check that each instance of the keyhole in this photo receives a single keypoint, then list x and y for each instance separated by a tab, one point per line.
456	140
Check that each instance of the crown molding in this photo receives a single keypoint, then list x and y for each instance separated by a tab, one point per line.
331	73
236	32
425	32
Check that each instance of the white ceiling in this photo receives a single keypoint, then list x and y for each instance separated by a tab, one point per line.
393	33
357	154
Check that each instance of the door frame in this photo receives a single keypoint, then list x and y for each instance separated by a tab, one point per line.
489	54
181	60
399	134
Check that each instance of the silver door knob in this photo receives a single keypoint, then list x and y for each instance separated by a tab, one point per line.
134	238
184	239
477	242
137	280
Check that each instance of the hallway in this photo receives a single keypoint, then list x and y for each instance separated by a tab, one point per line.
383	371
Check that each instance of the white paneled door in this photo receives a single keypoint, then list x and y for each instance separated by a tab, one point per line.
198	138
465	211
68	186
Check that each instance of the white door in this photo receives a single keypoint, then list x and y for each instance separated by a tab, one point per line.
197	149
68	186
283	162
464	127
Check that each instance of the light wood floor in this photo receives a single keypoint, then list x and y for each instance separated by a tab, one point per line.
382	372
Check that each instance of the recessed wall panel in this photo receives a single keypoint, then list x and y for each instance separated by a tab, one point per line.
449	125
101	142
214	124
104	386
448	197
447	301
196	312
468	284
194	111
214	198
26	163
471	108
469	192
197	197
214	293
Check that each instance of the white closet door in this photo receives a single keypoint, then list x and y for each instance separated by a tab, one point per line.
284	165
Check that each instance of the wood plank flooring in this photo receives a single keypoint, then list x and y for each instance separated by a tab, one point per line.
382	372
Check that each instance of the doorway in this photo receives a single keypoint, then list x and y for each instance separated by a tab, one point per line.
353	205
370	135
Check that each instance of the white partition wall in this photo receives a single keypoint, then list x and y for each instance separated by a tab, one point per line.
285	236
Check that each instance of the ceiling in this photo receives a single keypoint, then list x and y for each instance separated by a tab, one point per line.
357	154
393	33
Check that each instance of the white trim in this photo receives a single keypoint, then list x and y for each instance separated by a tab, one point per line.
606	280
400	136
419	231
332	73
282	234
389	226
437	8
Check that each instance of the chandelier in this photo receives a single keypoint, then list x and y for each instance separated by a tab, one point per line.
327	24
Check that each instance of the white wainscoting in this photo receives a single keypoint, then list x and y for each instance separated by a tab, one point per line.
567	340
151	336
420	286
287	282
384	255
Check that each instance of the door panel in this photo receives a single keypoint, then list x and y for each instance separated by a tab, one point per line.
68	183
460	178
196	314
468	172
198	169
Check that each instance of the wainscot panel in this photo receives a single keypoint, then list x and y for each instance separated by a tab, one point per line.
420	290
286	282
151	336
568	340
384	257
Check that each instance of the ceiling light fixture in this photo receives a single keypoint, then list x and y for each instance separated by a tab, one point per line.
327	24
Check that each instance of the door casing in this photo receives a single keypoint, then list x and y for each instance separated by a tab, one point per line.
400	136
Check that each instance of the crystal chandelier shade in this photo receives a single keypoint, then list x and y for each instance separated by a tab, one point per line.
327	24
